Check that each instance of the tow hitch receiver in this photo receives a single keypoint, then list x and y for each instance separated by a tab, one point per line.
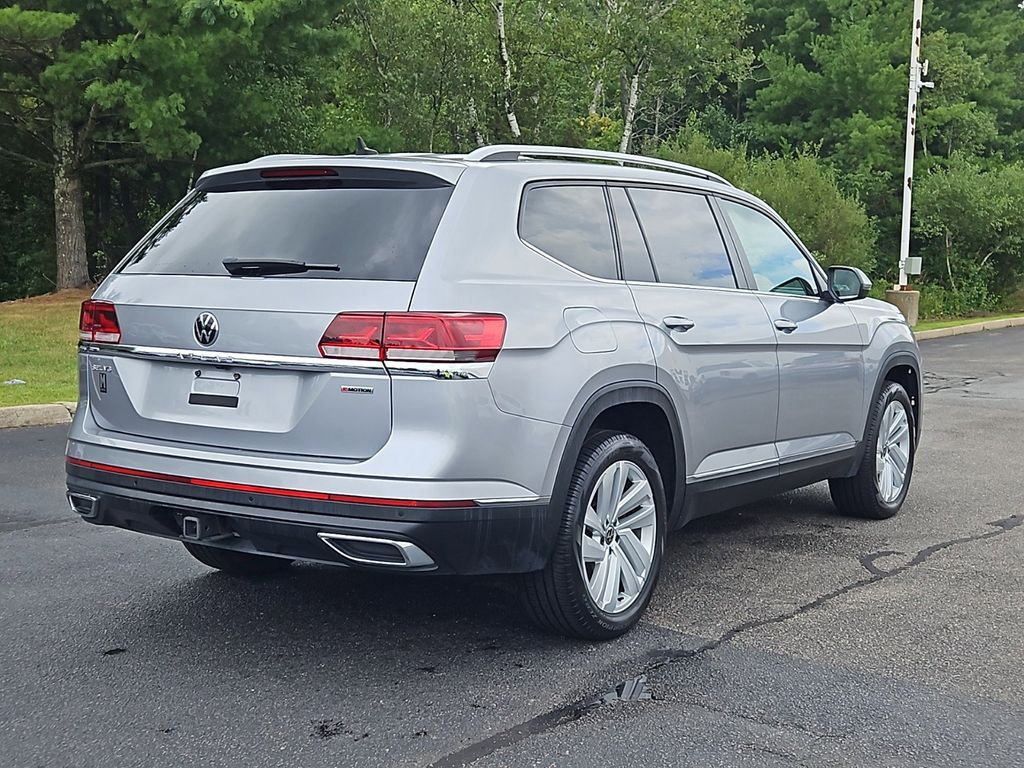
199	527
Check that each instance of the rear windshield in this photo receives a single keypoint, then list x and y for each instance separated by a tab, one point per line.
371	233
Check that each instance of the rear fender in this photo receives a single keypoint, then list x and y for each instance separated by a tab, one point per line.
607	397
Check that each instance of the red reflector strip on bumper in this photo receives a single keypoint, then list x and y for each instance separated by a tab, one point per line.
262	490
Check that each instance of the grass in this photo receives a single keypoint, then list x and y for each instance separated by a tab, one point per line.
931	325
38	339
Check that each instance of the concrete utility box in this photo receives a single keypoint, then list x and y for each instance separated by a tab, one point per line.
907	302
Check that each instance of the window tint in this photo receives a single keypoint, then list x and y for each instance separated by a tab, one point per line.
636	261
779	266
371	233
571	224
684	238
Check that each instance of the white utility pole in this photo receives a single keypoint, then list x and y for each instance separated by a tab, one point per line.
917	72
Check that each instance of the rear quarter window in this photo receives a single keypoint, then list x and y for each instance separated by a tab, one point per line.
570	223
370	232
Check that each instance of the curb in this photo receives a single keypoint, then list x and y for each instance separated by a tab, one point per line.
957	330
36	415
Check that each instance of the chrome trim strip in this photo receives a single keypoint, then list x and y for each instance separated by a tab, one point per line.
438	370
244	359
509	500
791	457
782	460
412	556
725	471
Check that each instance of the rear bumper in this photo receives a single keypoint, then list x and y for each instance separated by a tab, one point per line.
489	539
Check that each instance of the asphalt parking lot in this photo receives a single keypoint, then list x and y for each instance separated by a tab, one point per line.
780	634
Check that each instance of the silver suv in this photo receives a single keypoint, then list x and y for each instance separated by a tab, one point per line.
523	360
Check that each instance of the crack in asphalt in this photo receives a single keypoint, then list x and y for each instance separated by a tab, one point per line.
937	382
555	718
768	722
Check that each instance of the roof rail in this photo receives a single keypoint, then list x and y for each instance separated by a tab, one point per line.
514	152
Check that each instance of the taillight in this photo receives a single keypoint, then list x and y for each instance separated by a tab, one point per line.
98	322
415	336
449	337
353	334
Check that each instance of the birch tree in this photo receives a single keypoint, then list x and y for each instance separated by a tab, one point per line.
506	69
665	55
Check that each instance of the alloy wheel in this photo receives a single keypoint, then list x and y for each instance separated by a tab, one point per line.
620	527
892	452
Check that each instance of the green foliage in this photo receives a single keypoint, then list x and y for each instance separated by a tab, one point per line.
26	239
129	99
805	192
970	227
799	101
598	132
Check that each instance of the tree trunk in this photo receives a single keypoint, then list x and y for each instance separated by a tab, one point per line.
474	119
630	112
598	97
506	69
72	259
595	100
949	251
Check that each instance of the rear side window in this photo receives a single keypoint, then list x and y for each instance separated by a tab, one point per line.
684	238
371	233
571	224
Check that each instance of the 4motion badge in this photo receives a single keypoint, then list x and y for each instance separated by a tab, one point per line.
357	390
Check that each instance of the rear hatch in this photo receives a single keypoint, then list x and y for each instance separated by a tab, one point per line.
211	358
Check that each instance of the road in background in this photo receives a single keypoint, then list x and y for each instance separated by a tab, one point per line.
780	635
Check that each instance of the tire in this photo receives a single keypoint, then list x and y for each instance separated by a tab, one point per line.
866	494
558	598
245	564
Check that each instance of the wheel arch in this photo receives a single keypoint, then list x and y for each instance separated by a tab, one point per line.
617	406
904	368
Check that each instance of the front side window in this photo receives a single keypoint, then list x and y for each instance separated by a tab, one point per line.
571	224
779	266
684	238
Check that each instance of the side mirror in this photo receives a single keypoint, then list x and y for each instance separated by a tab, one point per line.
848	283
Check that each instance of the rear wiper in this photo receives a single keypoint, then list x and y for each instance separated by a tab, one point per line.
258	267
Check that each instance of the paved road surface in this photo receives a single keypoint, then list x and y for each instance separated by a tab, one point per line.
780	635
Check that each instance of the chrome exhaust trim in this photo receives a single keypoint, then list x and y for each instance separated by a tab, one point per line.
411	555
83	504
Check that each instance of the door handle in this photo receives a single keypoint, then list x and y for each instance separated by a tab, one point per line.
676	323
784	325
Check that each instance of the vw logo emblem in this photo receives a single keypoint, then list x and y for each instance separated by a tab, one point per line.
206	329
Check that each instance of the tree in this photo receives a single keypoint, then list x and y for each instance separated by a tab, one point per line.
665	54
970	220
85	86
426	73
836	78
802	188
